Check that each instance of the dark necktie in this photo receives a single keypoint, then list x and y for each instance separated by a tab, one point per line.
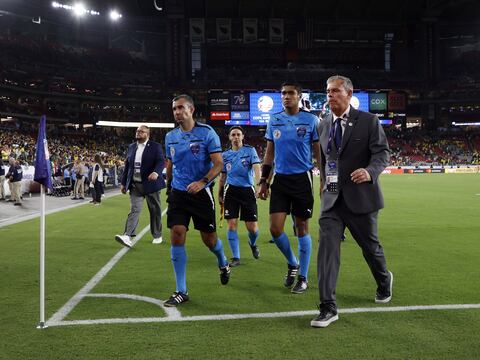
338	133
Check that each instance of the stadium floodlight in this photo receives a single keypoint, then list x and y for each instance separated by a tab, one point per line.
115	15
79	9
135	124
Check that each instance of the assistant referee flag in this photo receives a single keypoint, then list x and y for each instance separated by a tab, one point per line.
43	172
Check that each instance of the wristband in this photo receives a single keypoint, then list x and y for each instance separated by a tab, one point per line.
266	171
205	180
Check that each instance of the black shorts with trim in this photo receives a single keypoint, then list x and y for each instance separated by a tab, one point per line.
240	200
200	207
292	193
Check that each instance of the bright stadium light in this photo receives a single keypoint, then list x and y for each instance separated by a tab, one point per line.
79	9
115	15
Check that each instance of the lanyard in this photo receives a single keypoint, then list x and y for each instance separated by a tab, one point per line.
334	136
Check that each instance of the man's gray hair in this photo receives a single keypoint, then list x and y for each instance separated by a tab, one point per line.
347	83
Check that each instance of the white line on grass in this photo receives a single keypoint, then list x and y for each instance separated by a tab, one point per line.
171	312
261	315
36	214
70	305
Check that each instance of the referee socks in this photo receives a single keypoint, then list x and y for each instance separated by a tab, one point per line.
304	252
283	244
253	236
232	236
218	251
179	262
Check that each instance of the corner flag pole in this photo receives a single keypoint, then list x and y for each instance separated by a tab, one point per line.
42	324
42	175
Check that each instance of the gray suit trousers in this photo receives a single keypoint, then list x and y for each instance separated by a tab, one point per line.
363	228
136	204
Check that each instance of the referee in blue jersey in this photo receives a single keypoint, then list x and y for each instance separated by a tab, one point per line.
237	191
194	159
291	137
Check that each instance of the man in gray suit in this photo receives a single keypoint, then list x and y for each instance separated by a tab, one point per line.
354	152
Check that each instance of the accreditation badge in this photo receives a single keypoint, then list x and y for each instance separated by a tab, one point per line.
137	167
332	176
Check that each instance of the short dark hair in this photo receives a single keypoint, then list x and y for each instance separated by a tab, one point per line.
187	98
236	127
297	86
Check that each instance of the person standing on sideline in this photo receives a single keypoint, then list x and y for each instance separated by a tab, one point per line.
291	137
236	191
142	176
16	175
97	179
194	159
2	180
81	172
354	152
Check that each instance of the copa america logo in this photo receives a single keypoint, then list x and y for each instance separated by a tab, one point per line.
265	103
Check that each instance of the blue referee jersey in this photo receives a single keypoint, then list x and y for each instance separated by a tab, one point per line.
292	136
238	165
190	152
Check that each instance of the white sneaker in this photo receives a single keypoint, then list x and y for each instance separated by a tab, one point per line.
124	240
157	240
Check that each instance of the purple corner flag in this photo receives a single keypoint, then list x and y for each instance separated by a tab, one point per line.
43	172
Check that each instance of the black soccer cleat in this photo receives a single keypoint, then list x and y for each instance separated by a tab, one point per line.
176	299
255	251
224	274
301	286
234	262
291	274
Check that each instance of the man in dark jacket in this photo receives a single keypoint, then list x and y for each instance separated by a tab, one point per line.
354	152
142	177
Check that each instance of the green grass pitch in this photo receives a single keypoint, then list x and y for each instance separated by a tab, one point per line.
430	231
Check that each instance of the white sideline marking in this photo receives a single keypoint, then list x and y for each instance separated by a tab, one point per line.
262	315
36	214
70	305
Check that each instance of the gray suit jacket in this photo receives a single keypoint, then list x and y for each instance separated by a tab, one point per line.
364	145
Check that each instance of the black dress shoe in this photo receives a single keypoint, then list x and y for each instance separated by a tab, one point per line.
328	314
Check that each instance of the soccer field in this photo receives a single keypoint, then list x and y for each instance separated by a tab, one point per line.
429	229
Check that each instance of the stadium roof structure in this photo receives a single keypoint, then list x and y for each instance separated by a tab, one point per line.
337	11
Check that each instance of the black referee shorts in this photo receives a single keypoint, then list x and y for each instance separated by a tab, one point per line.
200	207
292	193
240	200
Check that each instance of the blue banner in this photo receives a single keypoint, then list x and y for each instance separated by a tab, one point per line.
43	172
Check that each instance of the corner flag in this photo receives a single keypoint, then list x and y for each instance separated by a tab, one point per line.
43	172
